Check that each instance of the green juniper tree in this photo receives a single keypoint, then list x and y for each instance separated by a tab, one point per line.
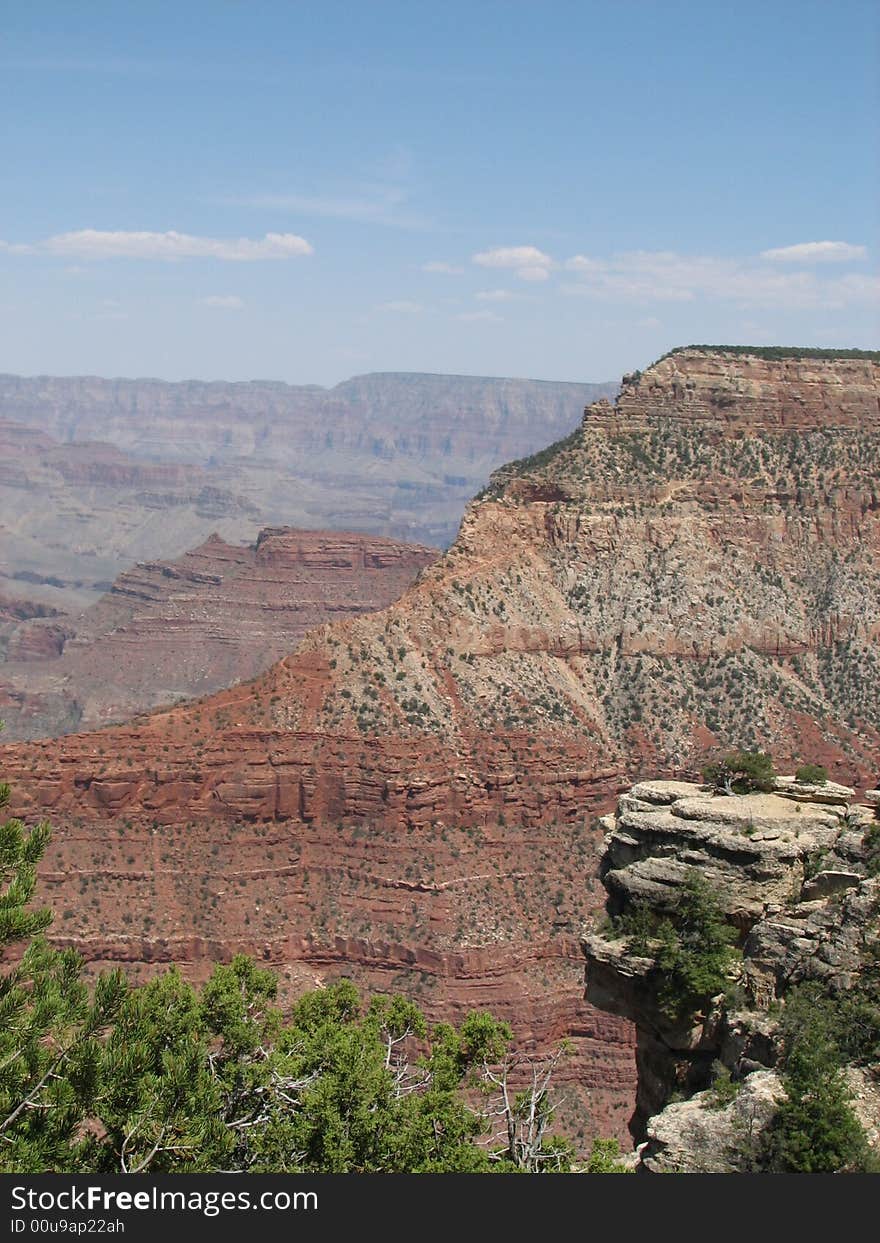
741	772
51	1025
814	1130
813	774
692	946
606	1158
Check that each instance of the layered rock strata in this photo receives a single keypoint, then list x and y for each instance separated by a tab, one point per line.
173	630
409	797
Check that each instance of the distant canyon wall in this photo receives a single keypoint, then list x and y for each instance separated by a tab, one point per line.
98	474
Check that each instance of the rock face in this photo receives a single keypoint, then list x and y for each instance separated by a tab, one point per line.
97	474
409	797
760	855
175	630
697	1136
751	850
384	414
703	1136
728	392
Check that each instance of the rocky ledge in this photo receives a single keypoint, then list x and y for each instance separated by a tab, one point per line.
795	872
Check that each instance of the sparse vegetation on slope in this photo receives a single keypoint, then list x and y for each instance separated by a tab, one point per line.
777	351
684	574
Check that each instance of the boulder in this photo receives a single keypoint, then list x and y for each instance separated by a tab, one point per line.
697	1137
814	792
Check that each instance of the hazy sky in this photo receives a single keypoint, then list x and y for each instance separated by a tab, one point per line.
306	191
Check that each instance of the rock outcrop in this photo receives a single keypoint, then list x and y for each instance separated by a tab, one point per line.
704	1136
798	881
751	850
735	391
409	797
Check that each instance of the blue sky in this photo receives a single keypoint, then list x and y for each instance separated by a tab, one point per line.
306	192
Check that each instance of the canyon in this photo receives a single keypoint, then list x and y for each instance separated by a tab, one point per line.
98	474
410	797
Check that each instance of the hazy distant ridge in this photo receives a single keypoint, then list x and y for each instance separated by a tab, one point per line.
393	454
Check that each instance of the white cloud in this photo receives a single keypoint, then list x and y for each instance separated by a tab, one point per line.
639	276
512	257
816	252
401	307
533	274
224	301
664	276
494	295
529	263
447	269
483	317
118	244
857	287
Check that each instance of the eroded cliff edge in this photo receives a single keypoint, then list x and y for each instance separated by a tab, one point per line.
795	872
